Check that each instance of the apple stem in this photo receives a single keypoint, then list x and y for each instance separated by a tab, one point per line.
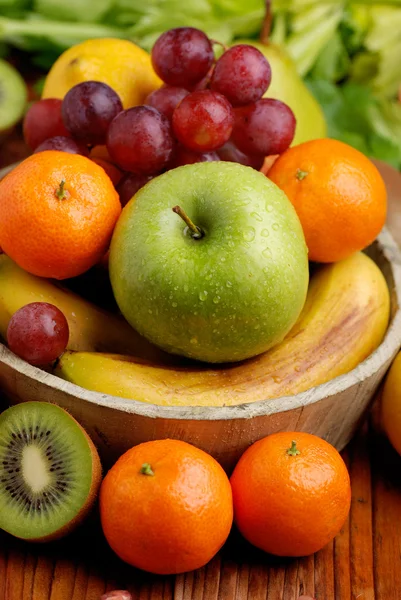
267	23
146	469
196	232
60	191
293	451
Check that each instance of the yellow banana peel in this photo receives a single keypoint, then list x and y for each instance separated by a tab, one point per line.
343	321
91	328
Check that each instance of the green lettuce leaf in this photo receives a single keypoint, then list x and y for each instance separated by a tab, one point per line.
357	117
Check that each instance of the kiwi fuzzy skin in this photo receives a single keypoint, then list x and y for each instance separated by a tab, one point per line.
94	489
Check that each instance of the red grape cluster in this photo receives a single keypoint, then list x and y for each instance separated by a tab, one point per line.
207	110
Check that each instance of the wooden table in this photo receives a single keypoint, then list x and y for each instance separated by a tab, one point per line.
362	563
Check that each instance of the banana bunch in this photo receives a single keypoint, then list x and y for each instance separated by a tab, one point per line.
91	328
343	321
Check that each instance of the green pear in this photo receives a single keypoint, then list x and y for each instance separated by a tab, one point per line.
287	86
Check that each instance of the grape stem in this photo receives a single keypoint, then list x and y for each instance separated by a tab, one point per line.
195	231
224	46
267	23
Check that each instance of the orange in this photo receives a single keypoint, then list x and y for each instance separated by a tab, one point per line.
291	493
166	507
57	214
112	171
338	194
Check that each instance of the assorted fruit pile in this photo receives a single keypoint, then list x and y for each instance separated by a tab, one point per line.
166	506
221	241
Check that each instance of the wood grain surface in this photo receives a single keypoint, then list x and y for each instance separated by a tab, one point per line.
362	563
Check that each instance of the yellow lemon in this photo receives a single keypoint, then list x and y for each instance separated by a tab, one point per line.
391	404
124	66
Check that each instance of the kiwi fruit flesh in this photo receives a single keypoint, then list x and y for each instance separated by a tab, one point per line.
50	471
13	96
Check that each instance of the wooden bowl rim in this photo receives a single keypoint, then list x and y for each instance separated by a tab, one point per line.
389	346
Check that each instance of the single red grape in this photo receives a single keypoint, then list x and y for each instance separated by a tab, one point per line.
166	98
38	333
42	121
63	144
265	127
88	109
242	74
182	56
183	156
140	140
129	185
230	153
203	121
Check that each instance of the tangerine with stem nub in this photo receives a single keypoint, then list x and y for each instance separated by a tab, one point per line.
291	493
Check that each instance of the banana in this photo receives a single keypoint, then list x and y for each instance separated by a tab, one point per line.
344	319
91	328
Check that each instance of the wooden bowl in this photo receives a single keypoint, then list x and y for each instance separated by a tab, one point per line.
332	410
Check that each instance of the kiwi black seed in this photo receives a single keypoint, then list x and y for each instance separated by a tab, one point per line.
13	96
49	471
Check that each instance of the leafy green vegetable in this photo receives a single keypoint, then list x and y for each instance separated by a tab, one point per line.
356	116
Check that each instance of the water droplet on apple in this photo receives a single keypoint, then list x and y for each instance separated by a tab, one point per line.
229	284
257	326
208	276
276	226
174	304
256	216
269	207
150	311
231	244
249	234
194	340
186	288
203	295
265	233
276	379
267	253
223	259
216	299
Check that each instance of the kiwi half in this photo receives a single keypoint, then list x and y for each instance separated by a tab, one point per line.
50	471
13	96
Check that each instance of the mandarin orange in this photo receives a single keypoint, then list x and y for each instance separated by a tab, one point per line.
57	214
291	493
338	194
166	507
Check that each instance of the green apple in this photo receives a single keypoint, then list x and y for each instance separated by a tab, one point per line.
226	283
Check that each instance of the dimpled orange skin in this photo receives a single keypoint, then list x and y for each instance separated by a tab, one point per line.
53	237
170	522
290	505
338	194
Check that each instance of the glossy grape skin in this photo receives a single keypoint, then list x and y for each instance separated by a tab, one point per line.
183	156
166	99
129	185
203	121
242	74
265	127
88	109
230	153
42	121
182	56
63	144
140	140
38	333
